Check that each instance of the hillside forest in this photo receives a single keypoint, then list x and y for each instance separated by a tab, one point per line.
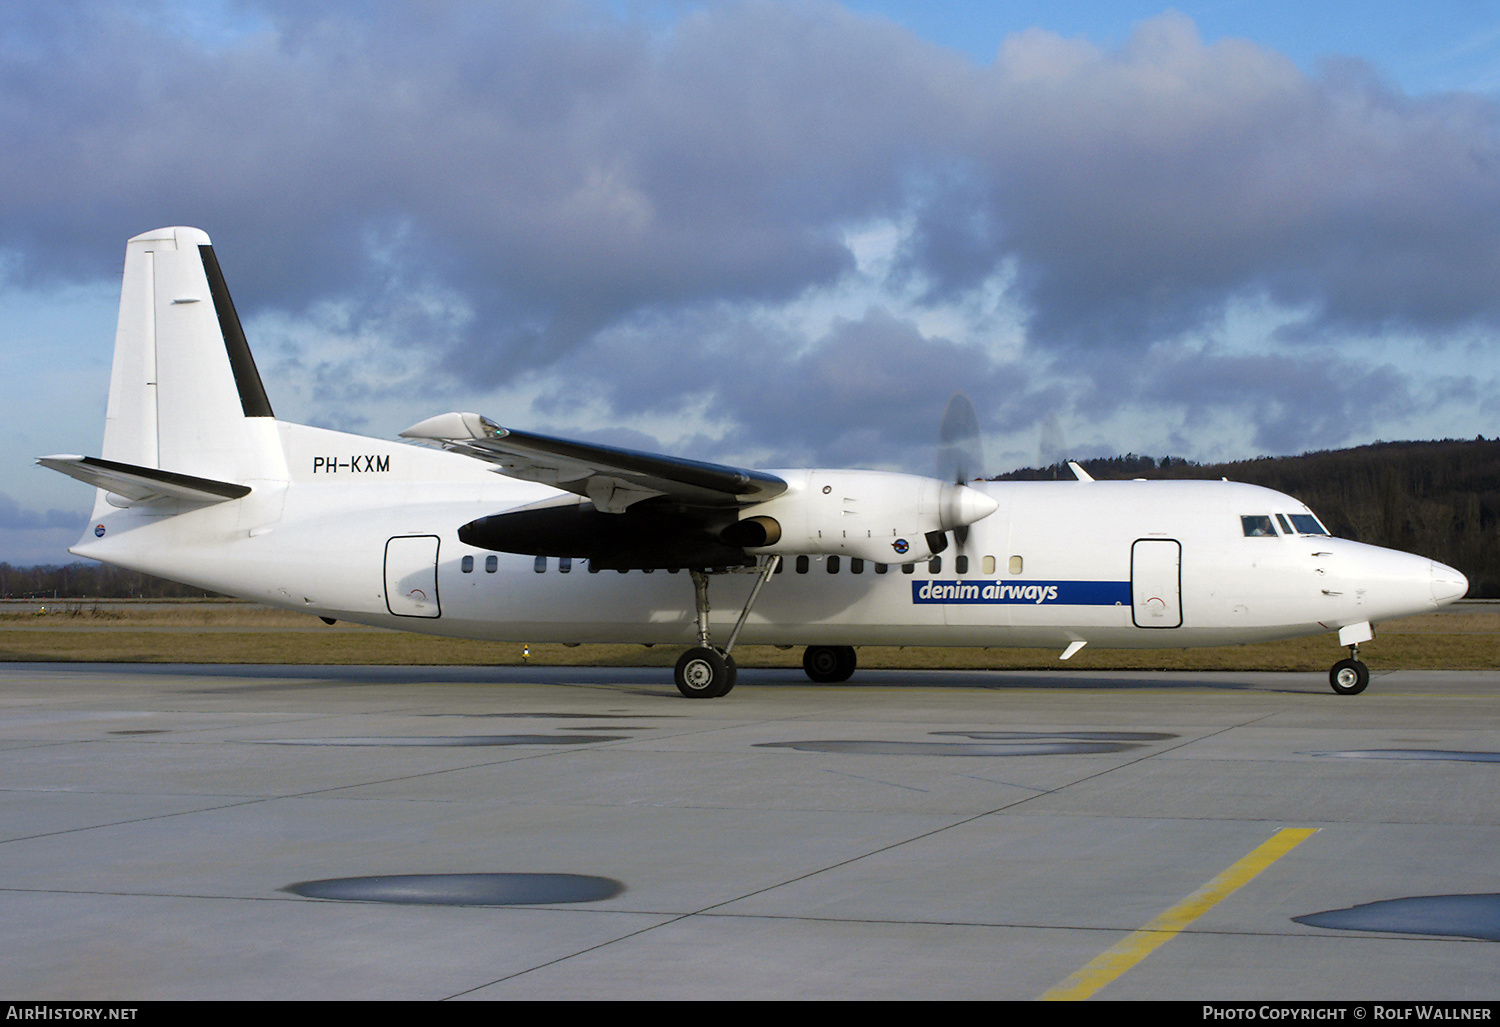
1438	499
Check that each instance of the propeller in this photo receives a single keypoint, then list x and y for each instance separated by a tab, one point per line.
959	456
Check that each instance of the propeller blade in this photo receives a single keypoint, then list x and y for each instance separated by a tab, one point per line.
959	458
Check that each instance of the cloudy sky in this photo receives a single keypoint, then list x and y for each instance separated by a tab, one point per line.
770	233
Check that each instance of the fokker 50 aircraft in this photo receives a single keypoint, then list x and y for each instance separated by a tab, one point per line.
485	532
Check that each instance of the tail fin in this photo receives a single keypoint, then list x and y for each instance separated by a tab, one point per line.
184	394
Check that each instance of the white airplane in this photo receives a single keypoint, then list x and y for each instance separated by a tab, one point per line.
488	533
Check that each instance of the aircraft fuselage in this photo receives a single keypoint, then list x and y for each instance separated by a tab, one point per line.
362	524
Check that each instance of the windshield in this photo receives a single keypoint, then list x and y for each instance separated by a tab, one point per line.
1307	524
1257	526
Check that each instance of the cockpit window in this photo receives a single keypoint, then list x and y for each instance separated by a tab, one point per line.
1307	524
1258	526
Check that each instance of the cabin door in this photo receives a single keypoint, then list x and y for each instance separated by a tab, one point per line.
1156	582
411	576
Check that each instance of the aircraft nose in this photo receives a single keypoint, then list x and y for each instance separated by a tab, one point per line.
1448	585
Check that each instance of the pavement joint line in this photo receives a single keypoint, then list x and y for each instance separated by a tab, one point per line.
714	909
1139	944
673	916
311	793
248	801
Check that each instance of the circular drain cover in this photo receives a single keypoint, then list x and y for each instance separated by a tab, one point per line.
1080	736
463	889
1459	755
1464	916
880	748
453	740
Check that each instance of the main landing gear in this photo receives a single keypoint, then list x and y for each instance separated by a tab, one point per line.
828	664
1349	677
706	671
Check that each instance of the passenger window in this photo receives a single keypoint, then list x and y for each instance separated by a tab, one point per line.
833	565
935	565
801	565
564	564
1258	526
1015	565
856	565
541	565
491	564
908	568
467	565
960	565
988	565
881	568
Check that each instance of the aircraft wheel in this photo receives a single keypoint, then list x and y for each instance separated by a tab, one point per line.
705	673
829	663
1349	677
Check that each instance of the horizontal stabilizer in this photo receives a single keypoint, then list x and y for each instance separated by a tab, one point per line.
144	484
612	478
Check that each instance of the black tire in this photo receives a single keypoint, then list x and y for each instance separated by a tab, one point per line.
1349	677
704	673
829	664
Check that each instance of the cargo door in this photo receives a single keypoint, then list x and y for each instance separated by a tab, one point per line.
411	576
1156	583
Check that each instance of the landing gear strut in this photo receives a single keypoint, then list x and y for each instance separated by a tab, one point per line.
706	671
1349	677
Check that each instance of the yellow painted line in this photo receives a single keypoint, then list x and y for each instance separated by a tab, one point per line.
1166	926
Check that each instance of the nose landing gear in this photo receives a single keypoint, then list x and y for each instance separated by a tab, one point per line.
1349	677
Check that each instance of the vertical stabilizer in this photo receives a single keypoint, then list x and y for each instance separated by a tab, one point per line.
184	393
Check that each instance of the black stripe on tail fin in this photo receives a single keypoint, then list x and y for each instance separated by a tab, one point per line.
253	399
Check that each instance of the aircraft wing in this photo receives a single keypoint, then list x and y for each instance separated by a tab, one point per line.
612	478
144	484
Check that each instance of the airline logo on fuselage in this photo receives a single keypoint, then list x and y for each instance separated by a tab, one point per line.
1053	593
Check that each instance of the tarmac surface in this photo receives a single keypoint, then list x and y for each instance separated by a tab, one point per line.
210	832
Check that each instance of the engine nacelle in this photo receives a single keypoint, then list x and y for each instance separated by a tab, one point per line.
880	516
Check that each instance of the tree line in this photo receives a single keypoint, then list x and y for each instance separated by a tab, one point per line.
89	581
1437	499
